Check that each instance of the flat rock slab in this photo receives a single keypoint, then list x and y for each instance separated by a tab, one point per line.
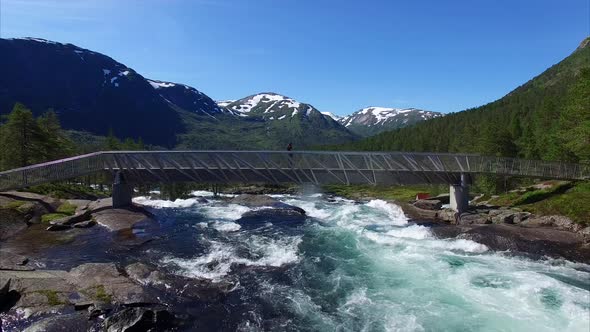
26	196
81	204
100	204
536	242
11	261
104	280
118	219
11	223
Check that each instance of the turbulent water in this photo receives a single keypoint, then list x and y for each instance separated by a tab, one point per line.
360	267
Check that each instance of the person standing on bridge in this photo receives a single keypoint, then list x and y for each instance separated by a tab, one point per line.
290	148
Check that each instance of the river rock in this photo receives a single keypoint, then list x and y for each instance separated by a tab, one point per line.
58	227
139	319
85	224
12	261
38	292
185	287
118	219
536	242
428	204
558	222
59	323
267	207
144	274
254	200
104	282
81	204
11	223
474	218
509	217
50	203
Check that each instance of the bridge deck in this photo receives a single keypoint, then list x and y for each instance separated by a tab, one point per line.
316	167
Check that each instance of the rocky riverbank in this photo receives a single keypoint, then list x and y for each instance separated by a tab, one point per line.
117	295
505	229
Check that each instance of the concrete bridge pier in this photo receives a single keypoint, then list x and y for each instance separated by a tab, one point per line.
122	191
459	194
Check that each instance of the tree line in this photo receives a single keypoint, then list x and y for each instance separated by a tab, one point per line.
547	118
26	139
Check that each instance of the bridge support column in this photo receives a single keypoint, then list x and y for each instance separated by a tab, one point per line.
459	195
122	191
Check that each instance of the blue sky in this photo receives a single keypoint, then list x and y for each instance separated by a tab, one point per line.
337	55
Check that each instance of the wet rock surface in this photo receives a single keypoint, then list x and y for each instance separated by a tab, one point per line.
532	242
267	206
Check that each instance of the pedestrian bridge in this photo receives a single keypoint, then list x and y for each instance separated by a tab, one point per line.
317	167
275	167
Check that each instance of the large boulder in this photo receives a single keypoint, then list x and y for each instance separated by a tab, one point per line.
118	219
104	282
64	322
37	292
474	218
12	261
254	200
185	287
139	319
268	207
428	204
558	222
11	222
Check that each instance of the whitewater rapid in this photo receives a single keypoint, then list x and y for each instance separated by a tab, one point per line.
365	267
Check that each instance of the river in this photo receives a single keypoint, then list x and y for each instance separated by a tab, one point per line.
359	267
346	266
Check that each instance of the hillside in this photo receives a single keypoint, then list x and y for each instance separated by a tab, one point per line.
545	118
374	120
92	93
88	90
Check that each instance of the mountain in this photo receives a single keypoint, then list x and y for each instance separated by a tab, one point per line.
93	93
332	115
287	120
373	120
547	118
187	98
88	90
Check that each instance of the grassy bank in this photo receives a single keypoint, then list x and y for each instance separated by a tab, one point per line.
398	193
570	199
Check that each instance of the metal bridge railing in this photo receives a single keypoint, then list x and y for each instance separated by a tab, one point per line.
284	166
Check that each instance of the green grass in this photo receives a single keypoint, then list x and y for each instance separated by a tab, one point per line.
398	193
52	296
573	203
67	208
49	217
98	293
69	191
13	205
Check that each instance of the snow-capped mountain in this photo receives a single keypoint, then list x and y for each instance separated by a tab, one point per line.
290	120
187	98
373	120
224	103
332	115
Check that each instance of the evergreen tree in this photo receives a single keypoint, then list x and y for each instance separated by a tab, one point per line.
22	140
112	143
57	145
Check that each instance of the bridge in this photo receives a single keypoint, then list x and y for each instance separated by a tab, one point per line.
276	167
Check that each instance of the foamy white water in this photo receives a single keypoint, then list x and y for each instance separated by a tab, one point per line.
366	267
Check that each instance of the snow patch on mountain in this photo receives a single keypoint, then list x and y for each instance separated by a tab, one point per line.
270	99
160	84
224	103
332	115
